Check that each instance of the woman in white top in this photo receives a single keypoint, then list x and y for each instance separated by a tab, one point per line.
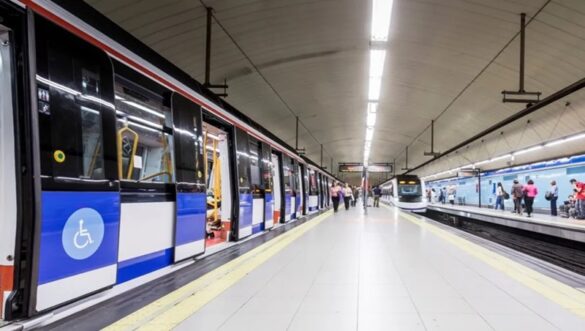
347	196
500	196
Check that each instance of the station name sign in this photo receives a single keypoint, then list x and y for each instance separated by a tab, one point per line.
372	167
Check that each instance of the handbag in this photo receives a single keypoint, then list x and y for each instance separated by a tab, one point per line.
506	195
548	196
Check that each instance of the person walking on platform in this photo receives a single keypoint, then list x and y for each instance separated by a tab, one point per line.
347	196
377	194
530	192
517	194
579	189
553	196
335	193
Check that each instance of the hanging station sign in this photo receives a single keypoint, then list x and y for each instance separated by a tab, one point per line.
372	167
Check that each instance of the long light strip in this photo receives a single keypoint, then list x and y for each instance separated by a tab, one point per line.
510	155
381	16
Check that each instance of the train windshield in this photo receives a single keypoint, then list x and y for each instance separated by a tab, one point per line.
409	189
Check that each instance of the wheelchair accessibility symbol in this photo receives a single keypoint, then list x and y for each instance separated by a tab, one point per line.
83	233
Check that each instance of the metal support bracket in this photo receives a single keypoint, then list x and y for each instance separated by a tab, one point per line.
432	152
207	83
521	96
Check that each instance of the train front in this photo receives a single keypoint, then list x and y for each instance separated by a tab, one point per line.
410	194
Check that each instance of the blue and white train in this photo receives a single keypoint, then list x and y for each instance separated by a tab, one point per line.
105	152
405	192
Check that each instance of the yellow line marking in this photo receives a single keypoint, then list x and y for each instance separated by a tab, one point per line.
175	307
562	294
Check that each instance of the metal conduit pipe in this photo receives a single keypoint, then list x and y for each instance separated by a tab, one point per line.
526	111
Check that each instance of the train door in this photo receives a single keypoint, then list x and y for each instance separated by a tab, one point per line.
8	173
218	178
267	185
244	221
321	193
300	191
258	199
288	189
294	205
191	206
306	189
313	204
277	192
77	234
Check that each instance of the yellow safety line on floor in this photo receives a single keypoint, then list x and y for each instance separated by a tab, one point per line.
564	295
175	307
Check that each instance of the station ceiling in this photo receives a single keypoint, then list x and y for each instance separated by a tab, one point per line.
448	61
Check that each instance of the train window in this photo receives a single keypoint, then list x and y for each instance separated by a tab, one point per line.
243	159
188	140
313	183
287	173
254	163
144	136
267	167
75	106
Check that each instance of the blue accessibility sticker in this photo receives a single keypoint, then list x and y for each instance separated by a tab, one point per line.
83	233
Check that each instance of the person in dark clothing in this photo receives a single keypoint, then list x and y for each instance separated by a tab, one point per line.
377	194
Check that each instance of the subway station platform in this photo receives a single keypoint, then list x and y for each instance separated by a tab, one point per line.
387	270
556	226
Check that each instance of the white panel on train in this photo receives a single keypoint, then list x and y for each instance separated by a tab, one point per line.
66	289
145	228
226	189
257	211
7	164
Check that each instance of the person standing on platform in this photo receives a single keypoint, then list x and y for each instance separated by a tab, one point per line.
530	192
335	192
347	196
451	191
377	194
500	196
517	194
356	195
554	196
579	189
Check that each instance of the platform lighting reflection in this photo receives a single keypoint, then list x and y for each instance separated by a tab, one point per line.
146	109
69	90
381	18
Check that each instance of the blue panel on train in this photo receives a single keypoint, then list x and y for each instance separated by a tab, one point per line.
245	210
79	233
191	212
287	203
268	206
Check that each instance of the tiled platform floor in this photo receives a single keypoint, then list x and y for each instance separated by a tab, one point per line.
378	272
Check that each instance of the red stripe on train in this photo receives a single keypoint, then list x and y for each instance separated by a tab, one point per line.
6	283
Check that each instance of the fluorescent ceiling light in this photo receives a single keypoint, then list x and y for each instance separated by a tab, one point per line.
381	16
527	150
501	157
377	58
482	162
579	136
372	107
371	119
369	134
374	88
